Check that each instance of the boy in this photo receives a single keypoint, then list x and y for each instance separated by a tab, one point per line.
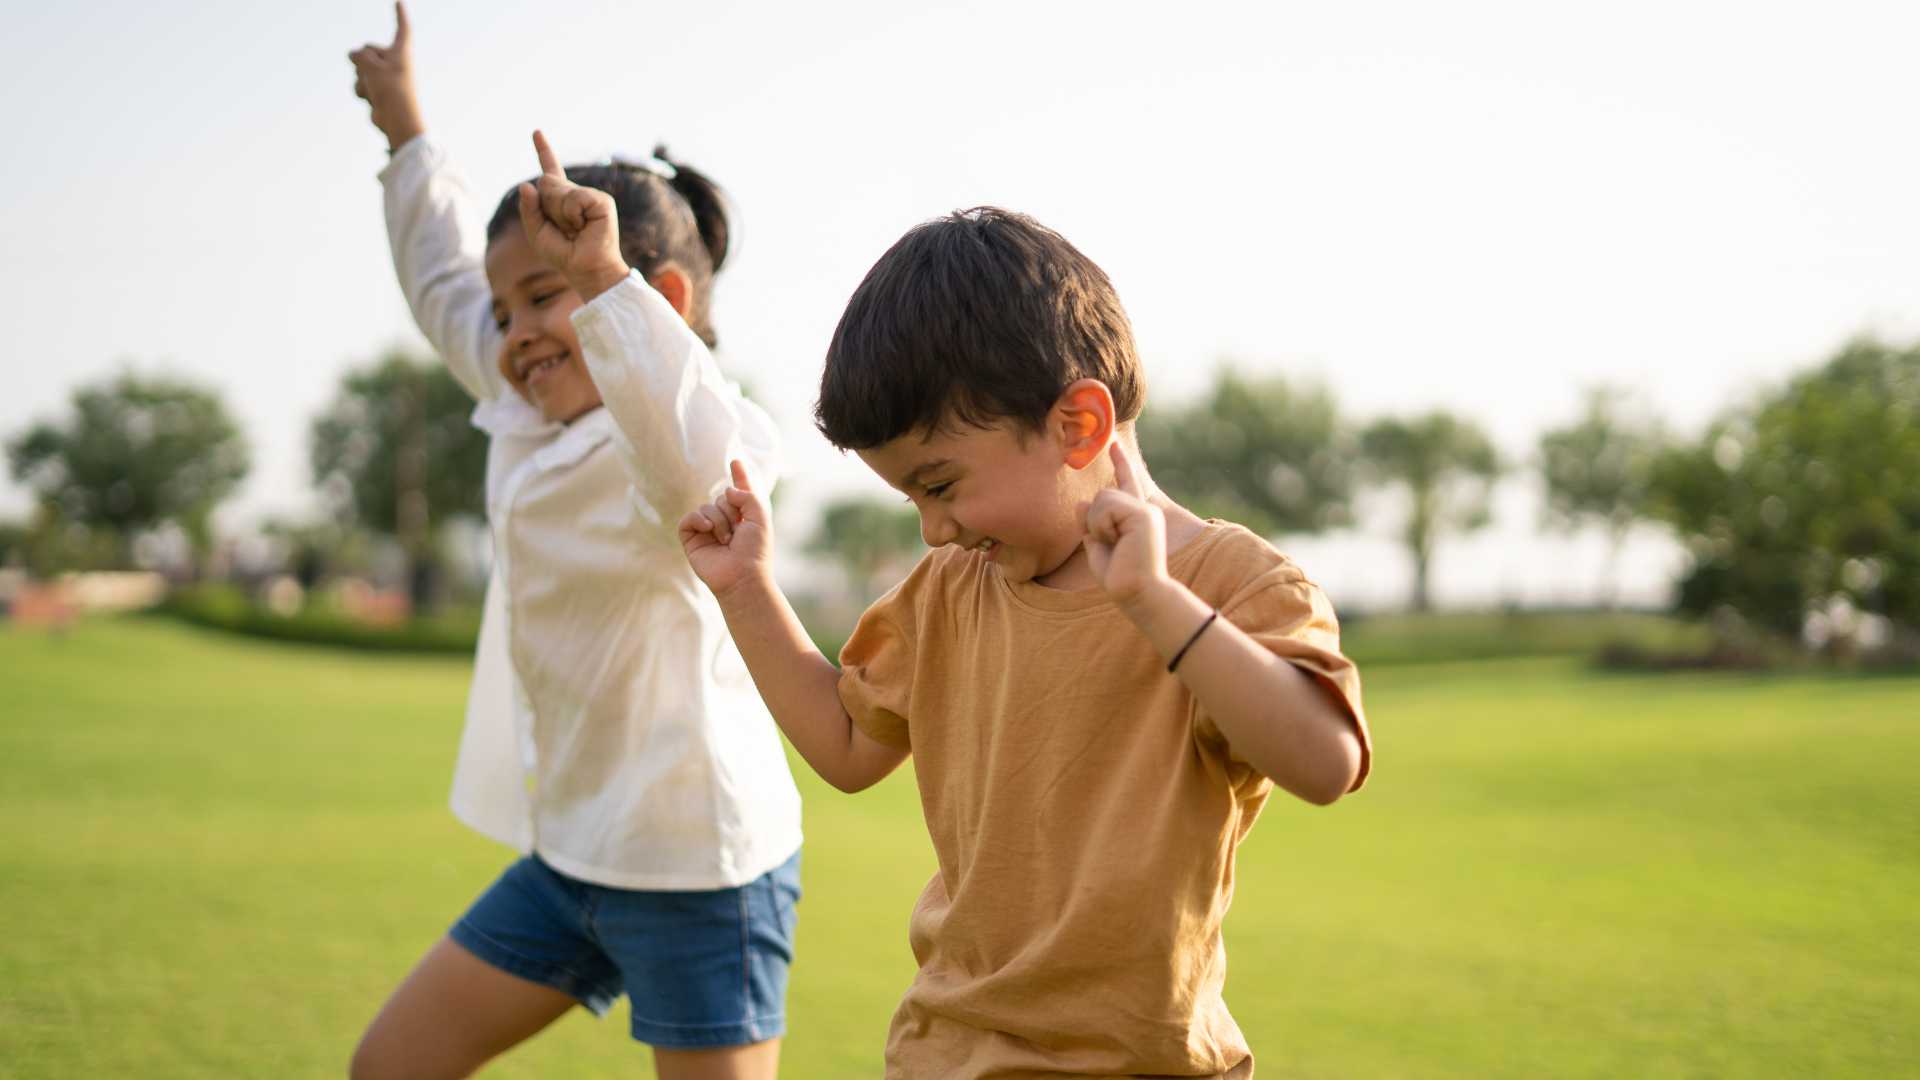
1100	688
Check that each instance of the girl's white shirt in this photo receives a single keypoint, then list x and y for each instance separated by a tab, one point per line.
612	727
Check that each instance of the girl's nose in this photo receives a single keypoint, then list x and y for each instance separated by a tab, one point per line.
520	332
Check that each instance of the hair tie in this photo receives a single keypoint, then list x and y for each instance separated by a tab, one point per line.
651	164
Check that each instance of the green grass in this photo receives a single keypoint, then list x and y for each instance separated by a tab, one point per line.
219	855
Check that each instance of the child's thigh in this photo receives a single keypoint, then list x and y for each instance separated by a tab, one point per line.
451	1015
760	1061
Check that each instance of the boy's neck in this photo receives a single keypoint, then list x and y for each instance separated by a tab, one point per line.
1183	527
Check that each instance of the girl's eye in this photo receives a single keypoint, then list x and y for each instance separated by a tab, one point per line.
544	297
939	490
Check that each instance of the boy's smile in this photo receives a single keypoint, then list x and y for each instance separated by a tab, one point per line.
1004	492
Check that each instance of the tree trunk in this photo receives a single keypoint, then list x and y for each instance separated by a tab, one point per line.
1422	601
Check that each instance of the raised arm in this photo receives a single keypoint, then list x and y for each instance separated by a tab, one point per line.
682	419
437	247
1274	714
730	544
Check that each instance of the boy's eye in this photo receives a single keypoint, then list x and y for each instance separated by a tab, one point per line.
544	297
500	323
939	490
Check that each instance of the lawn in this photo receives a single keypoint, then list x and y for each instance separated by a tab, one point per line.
219	855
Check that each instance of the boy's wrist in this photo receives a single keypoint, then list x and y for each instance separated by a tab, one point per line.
1166	612
1160	597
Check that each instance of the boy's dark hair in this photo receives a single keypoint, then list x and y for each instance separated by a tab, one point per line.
680	220
979	316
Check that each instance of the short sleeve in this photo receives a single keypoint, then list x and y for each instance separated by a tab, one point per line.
1293	619
876	674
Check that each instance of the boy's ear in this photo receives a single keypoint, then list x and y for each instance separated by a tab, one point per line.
673	283
1083	419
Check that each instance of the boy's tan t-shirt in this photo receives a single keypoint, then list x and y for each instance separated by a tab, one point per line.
1084	810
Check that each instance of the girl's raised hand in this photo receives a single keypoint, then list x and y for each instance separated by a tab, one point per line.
383	75
573	229
730	540
1126	534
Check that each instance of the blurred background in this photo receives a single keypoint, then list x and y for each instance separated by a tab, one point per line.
1574	349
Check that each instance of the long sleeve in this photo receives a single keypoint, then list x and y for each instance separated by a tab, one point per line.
437	254
680	419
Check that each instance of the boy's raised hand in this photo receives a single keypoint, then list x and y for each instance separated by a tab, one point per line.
383	75
574	229
730	540
1126	534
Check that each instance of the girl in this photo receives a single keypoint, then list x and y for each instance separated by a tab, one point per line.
612	732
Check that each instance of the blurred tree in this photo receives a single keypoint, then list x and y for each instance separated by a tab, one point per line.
397	454
1807	500
872	540
1263	452
1448	466
1599	471
138	452
315	551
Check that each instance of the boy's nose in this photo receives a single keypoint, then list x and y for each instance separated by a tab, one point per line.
936	528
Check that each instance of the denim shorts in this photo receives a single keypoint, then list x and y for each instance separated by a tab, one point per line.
700	969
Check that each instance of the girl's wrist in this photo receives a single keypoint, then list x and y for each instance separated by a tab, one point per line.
591	283
750	595
403	133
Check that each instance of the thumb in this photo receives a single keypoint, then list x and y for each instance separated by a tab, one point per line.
740	478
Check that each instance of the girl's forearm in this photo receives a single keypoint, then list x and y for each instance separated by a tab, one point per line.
660	384
802	688
1275	715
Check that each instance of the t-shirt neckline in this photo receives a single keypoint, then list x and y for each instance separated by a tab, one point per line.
1043	600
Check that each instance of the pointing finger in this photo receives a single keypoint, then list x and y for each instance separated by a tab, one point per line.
402	30
740	479
1124	477
549	165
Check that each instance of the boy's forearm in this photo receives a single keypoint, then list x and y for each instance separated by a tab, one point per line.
1274	714
802	687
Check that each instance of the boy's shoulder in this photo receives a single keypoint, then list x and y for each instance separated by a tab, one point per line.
1228	561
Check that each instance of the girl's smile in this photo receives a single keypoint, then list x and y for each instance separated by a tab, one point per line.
539	351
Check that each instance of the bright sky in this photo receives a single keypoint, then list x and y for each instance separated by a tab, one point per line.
1479	205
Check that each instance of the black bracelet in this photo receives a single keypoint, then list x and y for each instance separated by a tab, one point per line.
1175	662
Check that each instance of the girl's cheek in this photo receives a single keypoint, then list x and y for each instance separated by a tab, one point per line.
560	326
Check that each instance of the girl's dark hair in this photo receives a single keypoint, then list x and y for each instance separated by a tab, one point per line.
680	220
979	317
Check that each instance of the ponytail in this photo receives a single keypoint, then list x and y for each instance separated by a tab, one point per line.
704	198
